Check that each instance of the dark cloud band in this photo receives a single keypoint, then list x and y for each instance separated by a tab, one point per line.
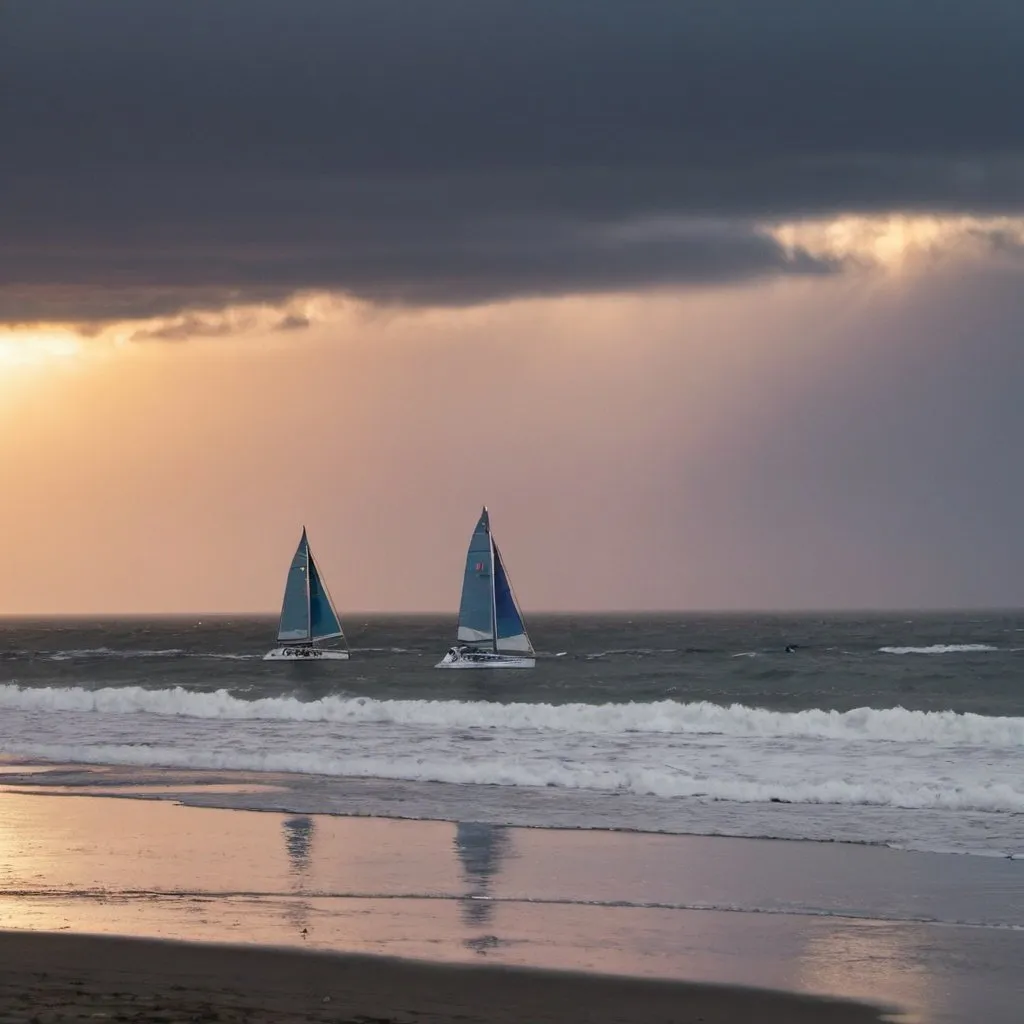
179	154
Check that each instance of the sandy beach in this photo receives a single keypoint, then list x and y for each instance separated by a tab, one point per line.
46	978
130	909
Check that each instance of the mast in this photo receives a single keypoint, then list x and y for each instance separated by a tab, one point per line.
309	597
494	592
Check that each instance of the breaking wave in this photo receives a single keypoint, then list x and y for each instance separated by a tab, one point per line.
634	780
632	652
109	652
940	649
90	653
664	717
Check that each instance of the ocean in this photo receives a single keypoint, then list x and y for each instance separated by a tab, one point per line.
902	730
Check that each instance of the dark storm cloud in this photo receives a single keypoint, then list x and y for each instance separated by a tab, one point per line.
382	241
191	325
176	153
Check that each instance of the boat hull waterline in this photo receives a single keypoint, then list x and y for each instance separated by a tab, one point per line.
304	654
484	659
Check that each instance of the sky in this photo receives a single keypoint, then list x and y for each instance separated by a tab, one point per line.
716	304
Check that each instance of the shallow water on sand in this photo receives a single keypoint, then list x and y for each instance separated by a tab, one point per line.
941	936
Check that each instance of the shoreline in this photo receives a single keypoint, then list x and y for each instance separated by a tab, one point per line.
179	795
81	976
362	797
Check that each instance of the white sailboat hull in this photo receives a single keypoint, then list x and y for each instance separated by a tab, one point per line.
484	659
305	654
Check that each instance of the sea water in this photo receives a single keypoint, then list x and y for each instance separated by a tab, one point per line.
903	730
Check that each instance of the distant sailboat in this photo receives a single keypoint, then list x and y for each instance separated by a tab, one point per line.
491	629
307	614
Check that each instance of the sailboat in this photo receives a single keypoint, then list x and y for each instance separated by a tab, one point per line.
491	629
307	614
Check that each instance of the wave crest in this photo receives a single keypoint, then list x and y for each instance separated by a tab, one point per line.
940	649
664	717
632	780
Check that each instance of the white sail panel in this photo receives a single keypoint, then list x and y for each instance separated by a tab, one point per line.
468	635
519	644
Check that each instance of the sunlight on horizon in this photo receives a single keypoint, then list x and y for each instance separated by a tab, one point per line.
37	347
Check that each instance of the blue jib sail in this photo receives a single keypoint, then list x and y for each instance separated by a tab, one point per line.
323	619
294	624
511	632
476	612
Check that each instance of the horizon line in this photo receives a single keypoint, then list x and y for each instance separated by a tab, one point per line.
542	613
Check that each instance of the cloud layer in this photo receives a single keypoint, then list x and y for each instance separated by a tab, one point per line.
179	155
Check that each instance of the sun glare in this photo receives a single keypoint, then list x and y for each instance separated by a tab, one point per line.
21	349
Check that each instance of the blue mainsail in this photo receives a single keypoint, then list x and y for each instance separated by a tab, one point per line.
307	613
294	623
476	612
488	614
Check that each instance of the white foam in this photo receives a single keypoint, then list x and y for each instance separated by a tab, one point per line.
386	650
634	780
109	652
940	649
632	652
661	717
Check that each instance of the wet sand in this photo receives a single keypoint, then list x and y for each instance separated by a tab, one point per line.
48	978
364	899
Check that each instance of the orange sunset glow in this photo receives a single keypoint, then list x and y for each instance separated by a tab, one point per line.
709	356
611	436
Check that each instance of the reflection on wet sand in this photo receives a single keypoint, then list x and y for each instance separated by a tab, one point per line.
866	960
298	843
481	849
